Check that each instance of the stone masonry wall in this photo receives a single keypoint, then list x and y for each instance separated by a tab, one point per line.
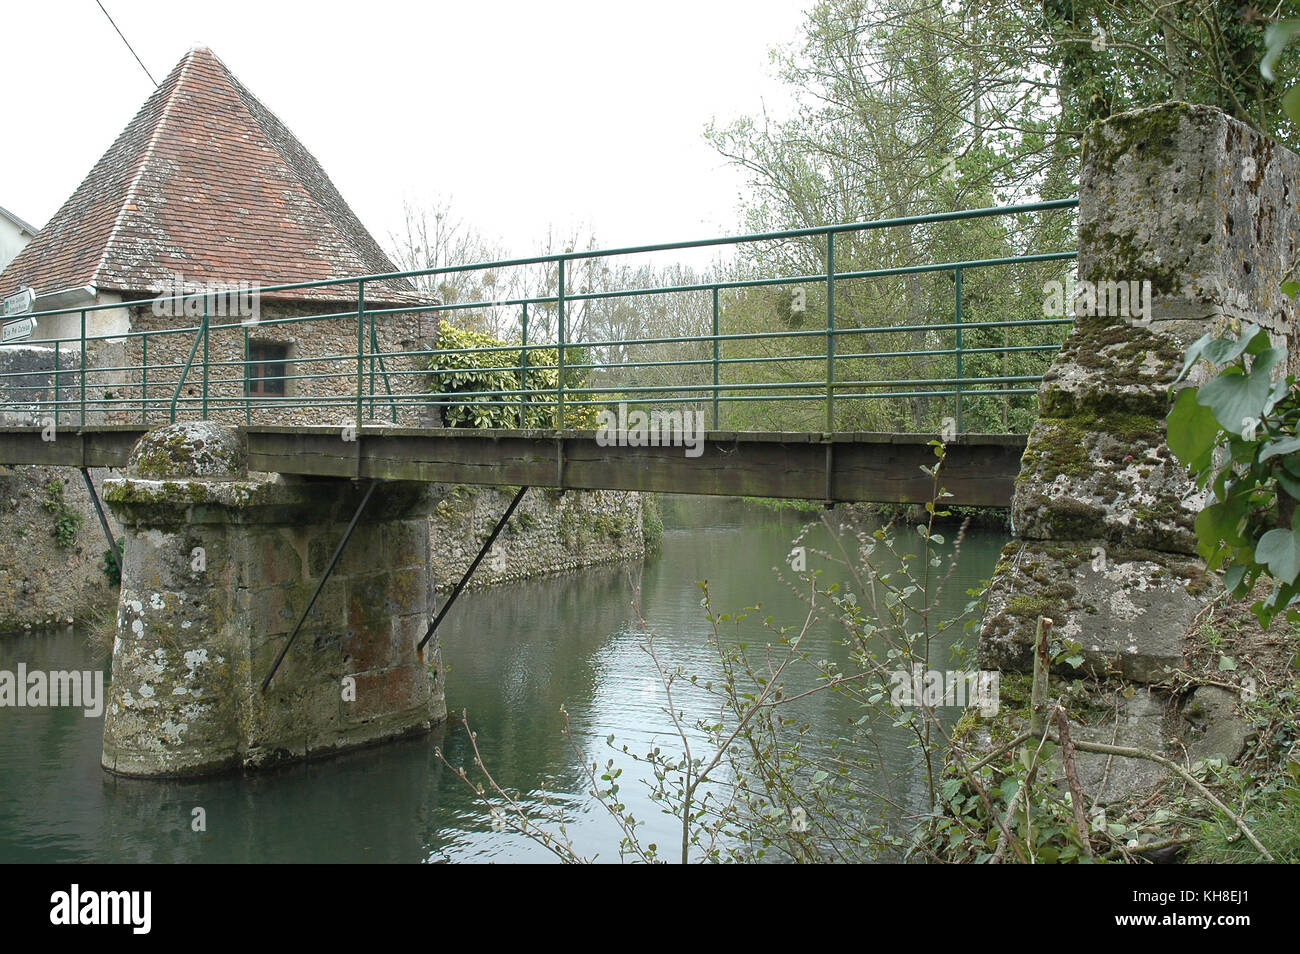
324	347
40	384
549	532
27	379
43	582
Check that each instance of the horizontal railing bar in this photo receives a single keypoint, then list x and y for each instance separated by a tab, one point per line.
754	282
591	373
818	333
265	403
821	230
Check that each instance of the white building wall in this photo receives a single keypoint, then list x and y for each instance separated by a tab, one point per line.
12	241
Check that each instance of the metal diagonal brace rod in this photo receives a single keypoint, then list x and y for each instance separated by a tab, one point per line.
199	335
338	551
487	545
103	521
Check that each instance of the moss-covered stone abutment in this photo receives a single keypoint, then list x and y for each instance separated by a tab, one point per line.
1201	207
218	567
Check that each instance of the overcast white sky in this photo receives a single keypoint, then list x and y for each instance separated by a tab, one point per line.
525	114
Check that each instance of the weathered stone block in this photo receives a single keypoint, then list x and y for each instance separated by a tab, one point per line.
366	551
373	647
1217	729
274	554
1112	480
406	542
274	610
388	692
176	561
1127	611
1199	204
1140	721
1112	368
410	629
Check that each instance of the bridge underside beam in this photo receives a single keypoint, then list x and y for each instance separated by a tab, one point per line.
980	469
106	446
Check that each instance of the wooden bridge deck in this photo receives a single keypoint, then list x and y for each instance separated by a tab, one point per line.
980	470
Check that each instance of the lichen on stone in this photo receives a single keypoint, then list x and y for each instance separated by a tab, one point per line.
200	449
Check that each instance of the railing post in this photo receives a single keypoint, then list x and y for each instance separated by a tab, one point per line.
523	365
957	322
830	332
1006	398
144	379
361	344
56	384
83	369
205	358
377	354
559	351
374	348
248	394
715	357
189	362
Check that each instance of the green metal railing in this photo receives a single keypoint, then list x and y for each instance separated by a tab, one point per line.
353	362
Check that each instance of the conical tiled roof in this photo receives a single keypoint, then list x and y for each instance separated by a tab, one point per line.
205	181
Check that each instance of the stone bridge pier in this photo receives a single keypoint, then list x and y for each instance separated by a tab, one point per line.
1201	210
218	567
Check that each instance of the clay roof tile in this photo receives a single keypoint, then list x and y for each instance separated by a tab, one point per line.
207	182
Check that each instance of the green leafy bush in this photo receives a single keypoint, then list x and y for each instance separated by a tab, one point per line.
652	522
1237	436
486	377
67	521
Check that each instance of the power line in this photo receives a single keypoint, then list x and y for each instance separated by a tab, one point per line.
128	46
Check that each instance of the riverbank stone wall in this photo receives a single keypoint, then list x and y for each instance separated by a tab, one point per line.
550	531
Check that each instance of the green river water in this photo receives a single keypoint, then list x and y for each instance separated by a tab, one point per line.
514	655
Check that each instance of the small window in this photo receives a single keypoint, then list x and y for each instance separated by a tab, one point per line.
266	368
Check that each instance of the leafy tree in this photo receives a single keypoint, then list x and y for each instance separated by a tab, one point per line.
904	108
912	107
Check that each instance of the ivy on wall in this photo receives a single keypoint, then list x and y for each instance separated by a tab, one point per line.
67	521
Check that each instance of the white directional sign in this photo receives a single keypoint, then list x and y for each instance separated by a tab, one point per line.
17	330
19	302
